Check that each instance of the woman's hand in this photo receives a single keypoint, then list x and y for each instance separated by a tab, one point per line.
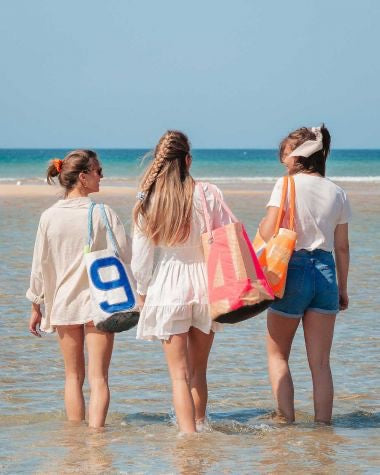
140	300
35	320
343	300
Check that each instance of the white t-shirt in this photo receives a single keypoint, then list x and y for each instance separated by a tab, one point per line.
320	206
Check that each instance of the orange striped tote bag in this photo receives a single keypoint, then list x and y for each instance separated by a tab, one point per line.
275	254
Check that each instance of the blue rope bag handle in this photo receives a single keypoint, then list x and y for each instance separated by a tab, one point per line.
87	247
109	230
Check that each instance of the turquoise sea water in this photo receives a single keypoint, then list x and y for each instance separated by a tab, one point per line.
120	166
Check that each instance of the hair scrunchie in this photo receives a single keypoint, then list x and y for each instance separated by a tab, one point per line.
309	146
58	164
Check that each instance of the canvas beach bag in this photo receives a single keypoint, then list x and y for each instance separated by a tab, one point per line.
275	254
237	286
112	286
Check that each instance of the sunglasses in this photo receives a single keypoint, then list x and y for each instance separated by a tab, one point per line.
99	171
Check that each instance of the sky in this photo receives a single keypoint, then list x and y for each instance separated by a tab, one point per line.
229	73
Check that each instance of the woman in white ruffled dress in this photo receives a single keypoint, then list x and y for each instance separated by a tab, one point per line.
169	267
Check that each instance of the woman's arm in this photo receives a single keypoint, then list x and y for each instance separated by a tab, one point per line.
268	223
35	293
342	258
35	320
142	262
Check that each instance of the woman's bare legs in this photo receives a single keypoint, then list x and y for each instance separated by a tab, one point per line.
176	353
280	334
199	349
319	330
71	338
99	348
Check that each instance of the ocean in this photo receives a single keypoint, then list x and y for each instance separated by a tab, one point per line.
226	166
140	436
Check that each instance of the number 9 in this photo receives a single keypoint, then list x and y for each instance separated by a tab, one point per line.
121	281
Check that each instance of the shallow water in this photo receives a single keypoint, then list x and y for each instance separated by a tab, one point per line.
140	436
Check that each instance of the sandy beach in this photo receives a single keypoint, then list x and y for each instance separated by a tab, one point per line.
11	190
25	190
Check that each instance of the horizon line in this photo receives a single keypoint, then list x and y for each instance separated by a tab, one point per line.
195	148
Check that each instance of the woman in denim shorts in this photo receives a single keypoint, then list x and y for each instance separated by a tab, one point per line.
315	291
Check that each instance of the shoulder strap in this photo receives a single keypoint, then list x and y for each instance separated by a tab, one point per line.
205	210
292	203
106	224
87	248
222	203
108	227
284	195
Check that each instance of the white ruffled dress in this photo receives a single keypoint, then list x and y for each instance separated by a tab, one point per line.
174	279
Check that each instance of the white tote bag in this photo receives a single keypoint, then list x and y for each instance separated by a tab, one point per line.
111	282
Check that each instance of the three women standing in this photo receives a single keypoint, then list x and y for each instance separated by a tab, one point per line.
169	267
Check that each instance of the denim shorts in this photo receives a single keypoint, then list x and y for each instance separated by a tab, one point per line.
310	285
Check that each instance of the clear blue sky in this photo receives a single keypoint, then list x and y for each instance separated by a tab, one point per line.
230	73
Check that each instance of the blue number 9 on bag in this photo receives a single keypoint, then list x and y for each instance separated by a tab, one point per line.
107	274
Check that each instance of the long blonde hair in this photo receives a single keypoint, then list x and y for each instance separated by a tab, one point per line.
164	211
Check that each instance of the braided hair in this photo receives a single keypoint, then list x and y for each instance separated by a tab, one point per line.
163	211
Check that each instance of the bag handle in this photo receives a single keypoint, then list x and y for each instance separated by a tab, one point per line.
292	204
205	210
87	247
223	203
109	230
292	200
106	224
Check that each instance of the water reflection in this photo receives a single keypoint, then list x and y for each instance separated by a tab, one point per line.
358	420
197	454
292	449
83	450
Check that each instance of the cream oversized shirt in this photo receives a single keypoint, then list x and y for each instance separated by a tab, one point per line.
320	206
59	277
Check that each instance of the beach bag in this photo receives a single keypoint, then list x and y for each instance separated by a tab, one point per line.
237	286
111	282
274	255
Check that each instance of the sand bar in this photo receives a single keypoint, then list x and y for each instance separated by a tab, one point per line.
27	190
